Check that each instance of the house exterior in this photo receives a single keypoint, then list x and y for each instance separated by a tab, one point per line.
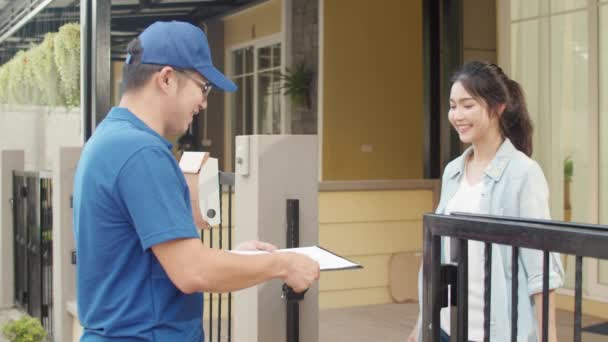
378	104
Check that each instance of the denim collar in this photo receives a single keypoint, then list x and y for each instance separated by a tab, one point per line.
497	166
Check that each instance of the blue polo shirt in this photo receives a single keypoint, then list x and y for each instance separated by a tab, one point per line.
129	195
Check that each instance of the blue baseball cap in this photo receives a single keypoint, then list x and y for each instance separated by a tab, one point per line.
181	45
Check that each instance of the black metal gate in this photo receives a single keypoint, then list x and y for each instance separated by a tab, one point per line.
226	180
578	239
33	244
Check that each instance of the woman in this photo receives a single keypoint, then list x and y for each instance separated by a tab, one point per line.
496	176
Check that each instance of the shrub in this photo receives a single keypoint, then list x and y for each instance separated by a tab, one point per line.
25	329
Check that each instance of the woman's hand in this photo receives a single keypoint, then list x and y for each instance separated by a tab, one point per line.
413	335
255	245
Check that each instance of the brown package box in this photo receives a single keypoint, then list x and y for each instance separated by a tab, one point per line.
403	276
192	181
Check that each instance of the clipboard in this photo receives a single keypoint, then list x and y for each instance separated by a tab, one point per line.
328	260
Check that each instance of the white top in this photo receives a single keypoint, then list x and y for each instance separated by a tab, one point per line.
467	200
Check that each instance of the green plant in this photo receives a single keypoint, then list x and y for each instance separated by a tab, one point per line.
67	59
3	84
25	329
31	88
16	79
568	169
296	83
45	71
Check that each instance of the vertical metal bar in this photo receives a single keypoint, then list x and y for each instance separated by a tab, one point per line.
545	327
40	218
229	247
219	296
487	291
293	240
86	60
95	17
16	200
462	333
514	288
210	293
101	53
430	288
578	298
435	324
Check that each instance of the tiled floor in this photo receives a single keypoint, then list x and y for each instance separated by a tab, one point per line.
393	322
387	323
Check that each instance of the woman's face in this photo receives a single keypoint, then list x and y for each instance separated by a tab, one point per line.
470	117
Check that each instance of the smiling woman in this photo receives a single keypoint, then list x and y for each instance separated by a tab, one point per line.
495	176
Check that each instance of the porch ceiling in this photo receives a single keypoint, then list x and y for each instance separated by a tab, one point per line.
129	18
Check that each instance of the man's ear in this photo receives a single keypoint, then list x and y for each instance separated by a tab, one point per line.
166	79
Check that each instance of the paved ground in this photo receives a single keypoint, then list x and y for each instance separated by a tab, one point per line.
393	322
387	323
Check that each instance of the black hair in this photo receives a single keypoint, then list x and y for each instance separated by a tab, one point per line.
134	73
487	82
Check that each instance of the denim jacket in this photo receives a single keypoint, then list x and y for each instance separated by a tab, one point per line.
513	185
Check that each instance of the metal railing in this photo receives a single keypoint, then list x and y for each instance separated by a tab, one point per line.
581	240
226	180
33	244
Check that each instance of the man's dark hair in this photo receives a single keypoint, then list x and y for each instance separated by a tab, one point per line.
135	74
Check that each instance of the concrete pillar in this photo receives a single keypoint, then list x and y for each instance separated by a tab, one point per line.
64	273
280	167
9	161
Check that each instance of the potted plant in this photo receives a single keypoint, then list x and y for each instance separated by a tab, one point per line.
25	329
296	83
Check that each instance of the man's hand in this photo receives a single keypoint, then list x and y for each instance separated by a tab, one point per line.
255	245
301	271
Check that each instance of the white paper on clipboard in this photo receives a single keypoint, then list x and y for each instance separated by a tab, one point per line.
328	260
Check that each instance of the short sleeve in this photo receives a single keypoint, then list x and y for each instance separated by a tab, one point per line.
156	198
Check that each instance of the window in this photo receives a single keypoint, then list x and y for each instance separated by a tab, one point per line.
256	107
554	56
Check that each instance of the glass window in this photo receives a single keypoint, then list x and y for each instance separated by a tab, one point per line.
550	59
269	90
567	5
521	9
603	134
256	105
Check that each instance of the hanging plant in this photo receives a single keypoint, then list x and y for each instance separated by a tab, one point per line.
67	59
45	71
31	88
3	84
296	83
15	79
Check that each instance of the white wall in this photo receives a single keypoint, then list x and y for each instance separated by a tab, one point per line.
39	131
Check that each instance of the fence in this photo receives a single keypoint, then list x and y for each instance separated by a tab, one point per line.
581	240
33	244
226	180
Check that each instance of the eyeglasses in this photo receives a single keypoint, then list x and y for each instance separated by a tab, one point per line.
205	86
